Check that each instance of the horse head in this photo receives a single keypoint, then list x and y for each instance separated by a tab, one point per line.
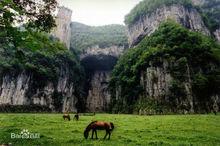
86	134
112	126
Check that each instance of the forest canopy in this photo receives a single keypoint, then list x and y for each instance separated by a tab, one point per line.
84	36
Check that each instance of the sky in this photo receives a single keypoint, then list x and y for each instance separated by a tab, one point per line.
99	12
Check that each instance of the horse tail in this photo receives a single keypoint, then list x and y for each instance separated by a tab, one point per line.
112	126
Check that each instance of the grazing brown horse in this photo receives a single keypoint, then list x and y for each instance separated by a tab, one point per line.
66	116
99	125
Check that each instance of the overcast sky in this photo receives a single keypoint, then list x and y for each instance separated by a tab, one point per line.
99	12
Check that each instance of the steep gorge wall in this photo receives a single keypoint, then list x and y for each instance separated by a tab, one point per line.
146	25
98	63
155	81
99	97
158	83
99	48
63	30
25	89
114	50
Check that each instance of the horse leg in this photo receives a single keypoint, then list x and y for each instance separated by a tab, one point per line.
92	133
109	134
96	134
106	134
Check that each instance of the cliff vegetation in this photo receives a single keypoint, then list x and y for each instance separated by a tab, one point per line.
209	11
190	56
28	48
148	6
84	36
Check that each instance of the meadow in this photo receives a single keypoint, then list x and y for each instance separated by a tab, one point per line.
130	130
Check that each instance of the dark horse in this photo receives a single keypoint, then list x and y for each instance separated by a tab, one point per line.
76	117
66	116
99	125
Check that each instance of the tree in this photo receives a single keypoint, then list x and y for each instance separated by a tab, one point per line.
29	15
35	14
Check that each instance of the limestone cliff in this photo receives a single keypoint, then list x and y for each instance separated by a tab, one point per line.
99	97
157	84
146	25
114	50
62	30
199	2
217	34
25	89
174	70
98	63
99	48
157	80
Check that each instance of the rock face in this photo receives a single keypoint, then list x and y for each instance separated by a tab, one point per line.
98	98
63	30
13	89
199	2
115	51
157	82
98	63
146	25
217	34
21	89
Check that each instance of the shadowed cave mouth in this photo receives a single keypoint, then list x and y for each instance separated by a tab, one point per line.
98	62
93	63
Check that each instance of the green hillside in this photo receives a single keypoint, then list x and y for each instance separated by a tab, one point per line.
84	36
180	48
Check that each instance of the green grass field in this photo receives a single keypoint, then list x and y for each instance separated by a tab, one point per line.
129	130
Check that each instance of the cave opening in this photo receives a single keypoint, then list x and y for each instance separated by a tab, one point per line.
92	63
97	69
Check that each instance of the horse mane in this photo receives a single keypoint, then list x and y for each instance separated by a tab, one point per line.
88	127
